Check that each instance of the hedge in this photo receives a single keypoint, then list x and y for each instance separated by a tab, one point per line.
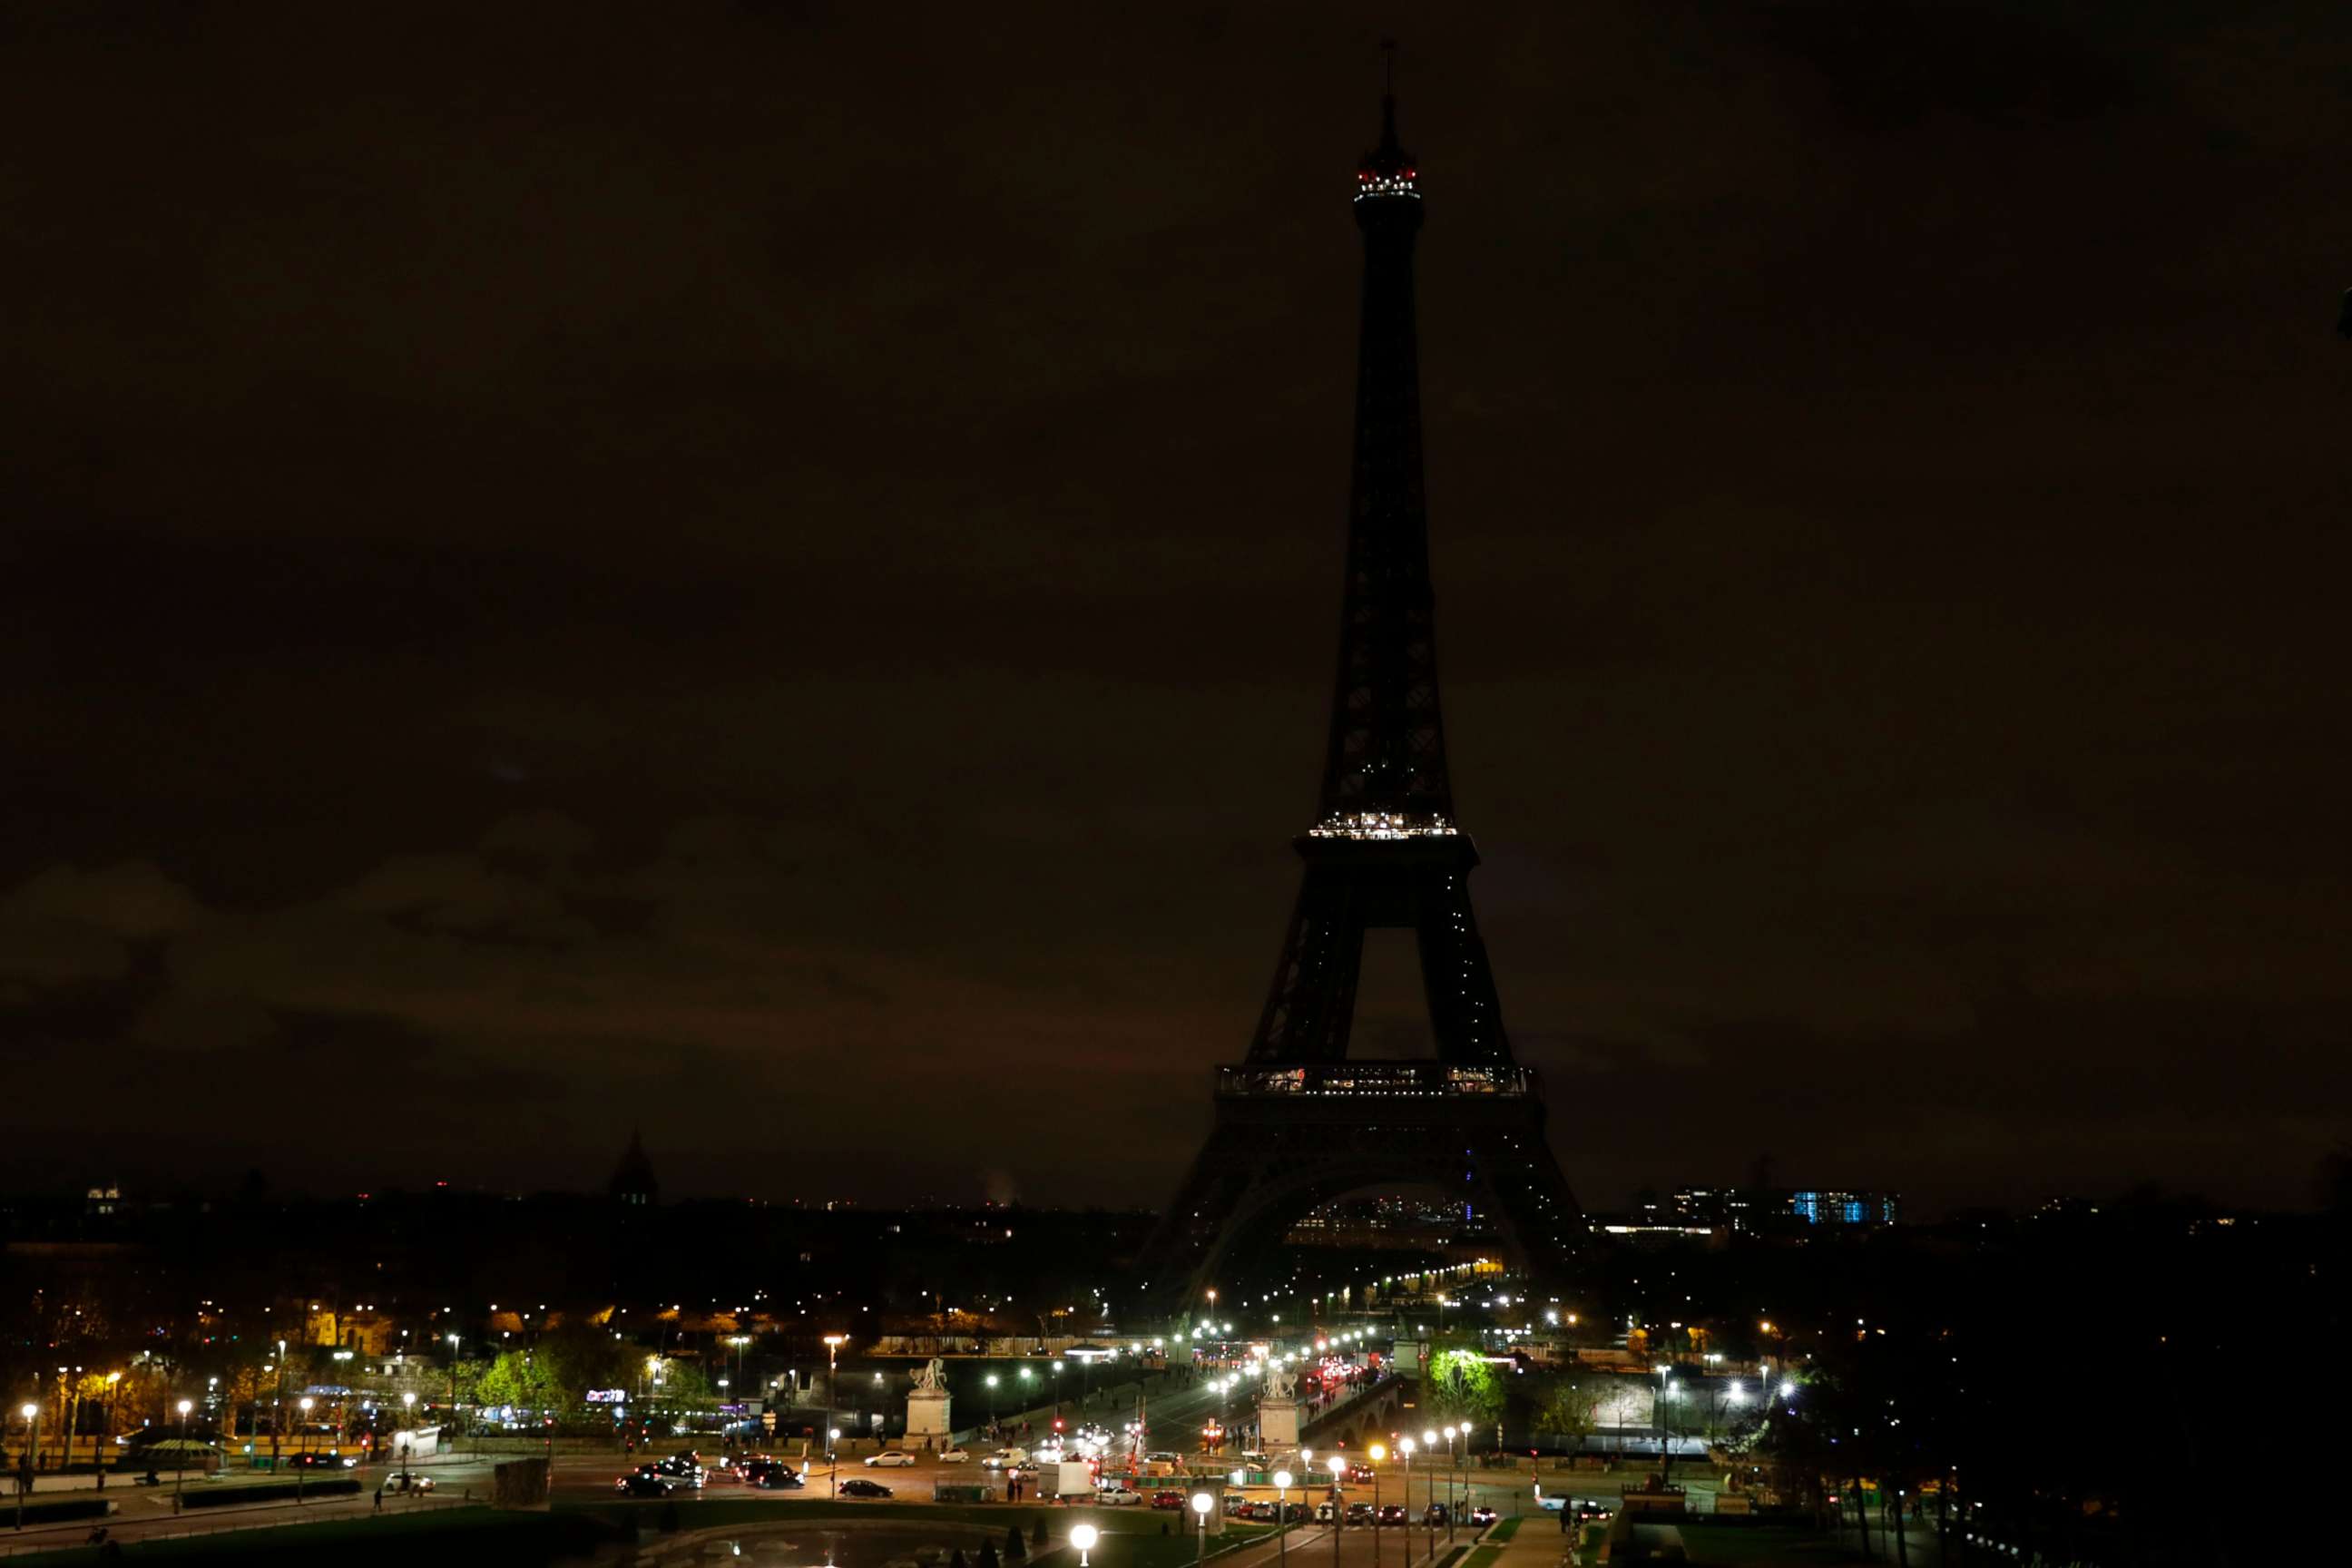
39	1513
272	1491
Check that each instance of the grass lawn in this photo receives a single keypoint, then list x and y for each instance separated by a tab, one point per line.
1761	1546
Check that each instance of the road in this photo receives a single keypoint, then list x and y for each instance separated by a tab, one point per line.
146	1512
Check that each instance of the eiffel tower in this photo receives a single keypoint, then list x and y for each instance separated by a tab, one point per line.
1300	1123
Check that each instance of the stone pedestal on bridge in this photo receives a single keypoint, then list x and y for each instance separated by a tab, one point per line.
1277	1427
927	1416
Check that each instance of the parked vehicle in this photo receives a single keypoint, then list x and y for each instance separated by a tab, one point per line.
1393	1513
1168	1502
770	1474
858	1486
321	1462
407	1481
1434	1514
1360	1513
1482	1516
1117	1496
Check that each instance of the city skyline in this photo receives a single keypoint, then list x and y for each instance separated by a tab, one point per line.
642	599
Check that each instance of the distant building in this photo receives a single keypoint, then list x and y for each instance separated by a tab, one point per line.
633	1182
1782	1208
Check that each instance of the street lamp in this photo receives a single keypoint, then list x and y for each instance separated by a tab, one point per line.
301	1470
1083	1537
31	1414
1462	1432
1282	1517
1665	1449
1338	1505
991	1381
106	1430
1410	1447
1202	1503
454	1411
833	1343
1377	1453
1429	1441
180	1474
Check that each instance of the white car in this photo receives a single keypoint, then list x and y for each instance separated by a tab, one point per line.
888	1459
955	1456
1118	1497
1008	1457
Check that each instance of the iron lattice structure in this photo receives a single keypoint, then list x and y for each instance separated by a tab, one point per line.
1298	1124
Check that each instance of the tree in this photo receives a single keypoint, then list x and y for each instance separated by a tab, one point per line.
1570	1411
519	1379
1462	1388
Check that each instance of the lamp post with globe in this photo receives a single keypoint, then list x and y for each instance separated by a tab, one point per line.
1282	1517
1338	1505
1408	1448
1083	1537
1202	1503
180	1472
31	1412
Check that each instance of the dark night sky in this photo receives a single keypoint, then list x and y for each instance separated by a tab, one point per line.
772	571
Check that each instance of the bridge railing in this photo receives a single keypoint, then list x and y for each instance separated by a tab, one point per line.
1373	1080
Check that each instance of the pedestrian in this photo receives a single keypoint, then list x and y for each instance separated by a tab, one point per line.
379	1497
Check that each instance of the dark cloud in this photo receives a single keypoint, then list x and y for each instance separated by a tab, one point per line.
769	571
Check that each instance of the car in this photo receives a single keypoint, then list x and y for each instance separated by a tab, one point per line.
1592	1510
320	1462
889	1459
1433	1514
645	1483
407	1481
1482	1516
1237	1505
1005	1459
1393	1513
1168	1502
955	1455
770	1474
858	1486
1117	1496
1359	1475
1324	1514
685	1472
1360	1513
